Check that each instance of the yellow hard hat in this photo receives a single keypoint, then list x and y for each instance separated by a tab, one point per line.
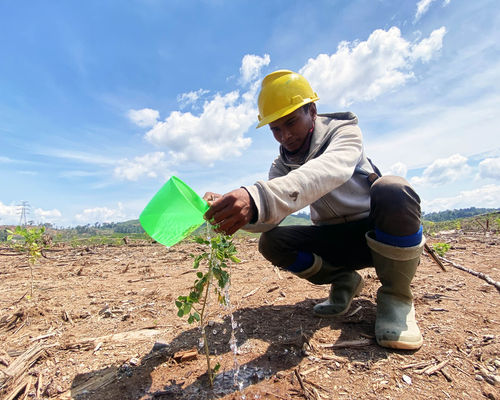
282	93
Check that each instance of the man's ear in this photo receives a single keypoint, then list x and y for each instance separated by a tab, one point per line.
313	112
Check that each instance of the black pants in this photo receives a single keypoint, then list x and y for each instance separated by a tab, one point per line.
394	209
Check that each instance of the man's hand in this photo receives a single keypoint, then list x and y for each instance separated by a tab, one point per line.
230	211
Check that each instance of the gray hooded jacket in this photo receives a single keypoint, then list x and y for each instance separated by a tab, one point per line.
332	179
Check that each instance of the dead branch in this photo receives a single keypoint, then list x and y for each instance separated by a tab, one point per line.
434	256
475	273
305	391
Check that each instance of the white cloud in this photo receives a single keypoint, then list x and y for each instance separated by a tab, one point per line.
443	170
423	7
217	133
432	130
485	197
186	99
8	214
251	66
426	48
101	214
86	158
145	117
361	71
398	169
214	135
490	168
151	165
41	215
5	159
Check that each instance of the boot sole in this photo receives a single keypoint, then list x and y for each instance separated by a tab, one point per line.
358	290
391	344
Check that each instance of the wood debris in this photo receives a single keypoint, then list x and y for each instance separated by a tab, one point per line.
485	277
435	368
252	292
186	355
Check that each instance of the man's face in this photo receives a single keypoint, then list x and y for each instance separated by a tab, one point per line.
291	130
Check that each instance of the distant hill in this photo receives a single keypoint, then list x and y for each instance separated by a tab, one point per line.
449	215
296	219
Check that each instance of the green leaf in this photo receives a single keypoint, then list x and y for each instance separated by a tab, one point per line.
235	259
199	274
187	308
180	313
200	240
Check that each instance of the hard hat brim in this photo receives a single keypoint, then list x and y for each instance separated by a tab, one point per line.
284	112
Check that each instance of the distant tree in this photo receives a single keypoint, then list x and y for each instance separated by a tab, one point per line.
449	215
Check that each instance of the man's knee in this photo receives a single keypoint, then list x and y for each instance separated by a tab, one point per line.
264	244
395	206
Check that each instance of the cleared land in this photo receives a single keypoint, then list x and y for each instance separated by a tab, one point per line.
102	325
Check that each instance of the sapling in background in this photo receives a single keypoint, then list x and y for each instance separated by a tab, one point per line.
31	244
441	248
219	251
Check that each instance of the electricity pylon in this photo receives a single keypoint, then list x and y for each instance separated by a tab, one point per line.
23	210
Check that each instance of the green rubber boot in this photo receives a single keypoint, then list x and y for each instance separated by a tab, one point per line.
346	284
395	325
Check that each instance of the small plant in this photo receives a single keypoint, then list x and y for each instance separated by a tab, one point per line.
32	245
441	248
220	250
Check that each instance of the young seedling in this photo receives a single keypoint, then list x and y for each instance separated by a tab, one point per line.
441	248
32	245
220	250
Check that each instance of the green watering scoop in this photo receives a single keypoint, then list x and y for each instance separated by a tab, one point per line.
173	213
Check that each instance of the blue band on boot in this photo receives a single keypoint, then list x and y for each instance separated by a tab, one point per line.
302	262
399	241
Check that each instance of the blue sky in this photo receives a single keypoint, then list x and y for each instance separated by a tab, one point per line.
102	101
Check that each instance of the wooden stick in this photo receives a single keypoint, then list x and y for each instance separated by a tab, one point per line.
304	390
39	386
432	253
28	387
421	364
435	368
475	273
446	375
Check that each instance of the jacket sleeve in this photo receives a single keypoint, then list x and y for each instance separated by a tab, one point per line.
283	195
277	169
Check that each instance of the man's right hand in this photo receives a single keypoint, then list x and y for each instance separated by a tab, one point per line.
231	211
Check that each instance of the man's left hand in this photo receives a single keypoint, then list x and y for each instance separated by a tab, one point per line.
231	211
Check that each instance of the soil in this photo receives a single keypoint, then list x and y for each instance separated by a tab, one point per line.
102	324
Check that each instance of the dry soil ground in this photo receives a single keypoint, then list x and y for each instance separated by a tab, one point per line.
102	324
